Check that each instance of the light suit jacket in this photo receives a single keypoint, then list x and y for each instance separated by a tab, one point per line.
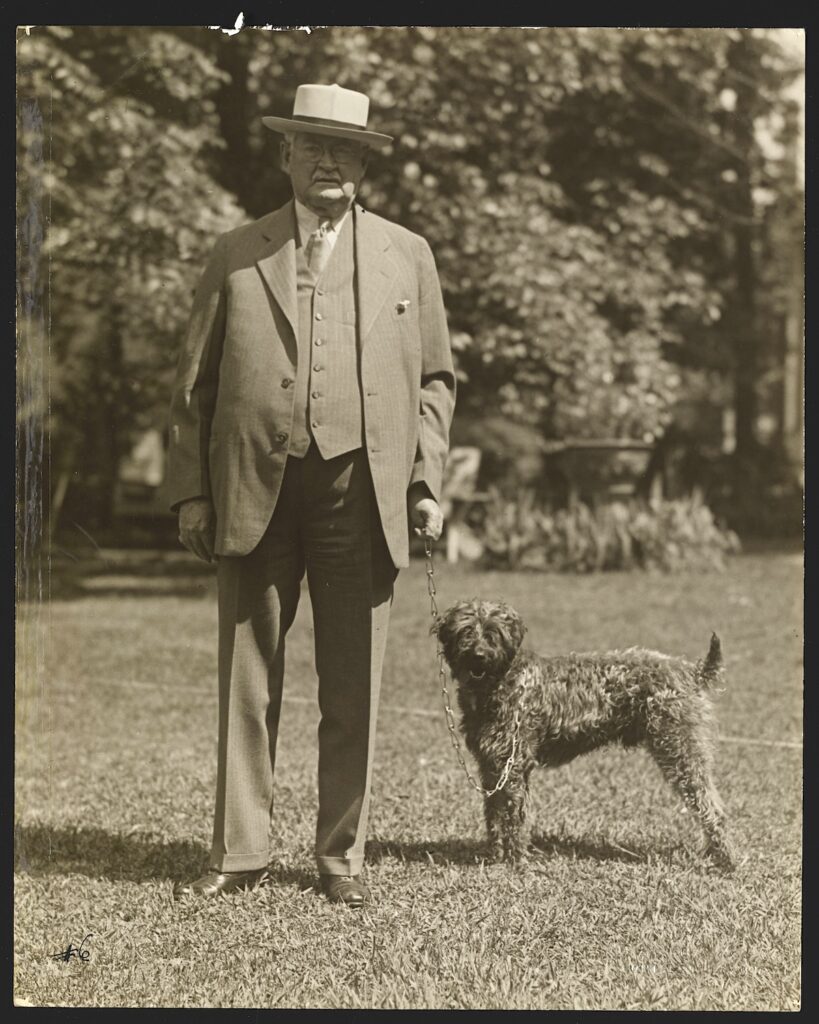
231	418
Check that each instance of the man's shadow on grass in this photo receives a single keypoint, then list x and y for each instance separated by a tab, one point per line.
41	849
45	850
541	847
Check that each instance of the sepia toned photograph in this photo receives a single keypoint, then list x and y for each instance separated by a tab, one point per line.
409	517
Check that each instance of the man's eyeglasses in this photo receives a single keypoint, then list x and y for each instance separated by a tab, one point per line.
341	152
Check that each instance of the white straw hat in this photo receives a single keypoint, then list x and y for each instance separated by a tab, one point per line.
329	110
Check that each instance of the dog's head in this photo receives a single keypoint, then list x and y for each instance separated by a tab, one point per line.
479	639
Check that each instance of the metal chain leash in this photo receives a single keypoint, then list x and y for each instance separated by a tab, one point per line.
450	717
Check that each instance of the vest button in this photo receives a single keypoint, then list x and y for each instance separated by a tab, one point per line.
319	341
317	367
316	394
319	316
319	291
314	423
281	438
286	382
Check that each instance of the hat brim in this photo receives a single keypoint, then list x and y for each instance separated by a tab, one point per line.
286	124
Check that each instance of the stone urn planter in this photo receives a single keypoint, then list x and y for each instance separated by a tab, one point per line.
600	470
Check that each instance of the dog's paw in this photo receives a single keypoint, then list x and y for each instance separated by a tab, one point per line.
494	853
517	857
721	857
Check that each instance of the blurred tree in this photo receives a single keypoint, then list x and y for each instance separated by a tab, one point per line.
700	123
128	122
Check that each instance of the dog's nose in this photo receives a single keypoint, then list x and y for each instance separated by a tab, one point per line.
479	662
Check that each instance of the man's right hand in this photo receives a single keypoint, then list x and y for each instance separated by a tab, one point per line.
197	527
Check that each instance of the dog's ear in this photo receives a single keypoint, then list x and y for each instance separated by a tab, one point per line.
514	625
458	615
443	623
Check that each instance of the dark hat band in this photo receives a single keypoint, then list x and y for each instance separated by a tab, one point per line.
325	123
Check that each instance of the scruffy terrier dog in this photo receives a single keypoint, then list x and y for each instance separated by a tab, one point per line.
574	703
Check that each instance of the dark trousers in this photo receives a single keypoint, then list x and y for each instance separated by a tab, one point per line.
326	522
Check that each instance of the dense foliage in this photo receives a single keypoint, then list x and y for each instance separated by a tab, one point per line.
131	209
595	200
664	535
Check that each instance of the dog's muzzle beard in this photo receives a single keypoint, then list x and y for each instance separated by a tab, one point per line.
492	661
469	666
485	672
478	666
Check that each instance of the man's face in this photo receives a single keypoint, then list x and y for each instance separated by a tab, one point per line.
325	172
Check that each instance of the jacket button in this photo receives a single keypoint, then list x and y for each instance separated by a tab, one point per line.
286	382
316	394
319	341
319	316
319	291
317	367
281	438
314	423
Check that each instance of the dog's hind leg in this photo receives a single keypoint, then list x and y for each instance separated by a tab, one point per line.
685	758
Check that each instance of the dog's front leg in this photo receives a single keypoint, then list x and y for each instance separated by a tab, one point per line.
506	819
515	820
493	813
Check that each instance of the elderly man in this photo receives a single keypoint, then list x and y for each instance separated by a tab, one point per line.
309	428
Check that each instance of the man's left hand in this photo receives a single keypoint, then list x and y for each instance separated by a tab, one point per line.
426	518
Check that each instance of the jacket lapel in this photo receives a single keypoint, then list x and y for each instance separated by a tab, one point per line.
375	270
277	261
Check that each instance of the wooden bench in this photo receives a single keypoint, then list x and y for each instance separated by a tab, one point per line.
459	495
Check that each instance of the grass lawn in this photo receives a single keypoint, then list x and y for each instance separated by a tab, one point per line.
115	768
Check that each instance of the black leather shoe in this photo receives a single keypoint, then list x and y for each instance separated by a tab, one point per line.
215	882
347	889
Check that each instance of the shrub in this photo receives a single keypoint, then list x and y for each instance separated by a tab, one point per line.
759	497
512	529
667	535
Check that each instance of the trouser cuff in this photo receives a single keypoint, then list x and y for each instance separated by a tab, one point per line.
340	865
239	861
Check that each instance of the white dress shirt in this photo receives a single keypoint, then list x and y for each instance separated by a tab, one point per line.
309	222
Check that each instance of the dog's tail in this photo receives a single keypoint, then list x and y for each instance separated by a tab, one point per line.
710	670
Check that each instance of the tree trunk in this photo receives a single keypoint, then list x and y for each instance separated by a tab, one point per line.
32	358
746	346
103	426
57	499
744	312
234	104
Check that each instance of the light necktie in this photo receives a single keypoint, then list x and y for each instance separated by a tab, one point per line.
318	249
